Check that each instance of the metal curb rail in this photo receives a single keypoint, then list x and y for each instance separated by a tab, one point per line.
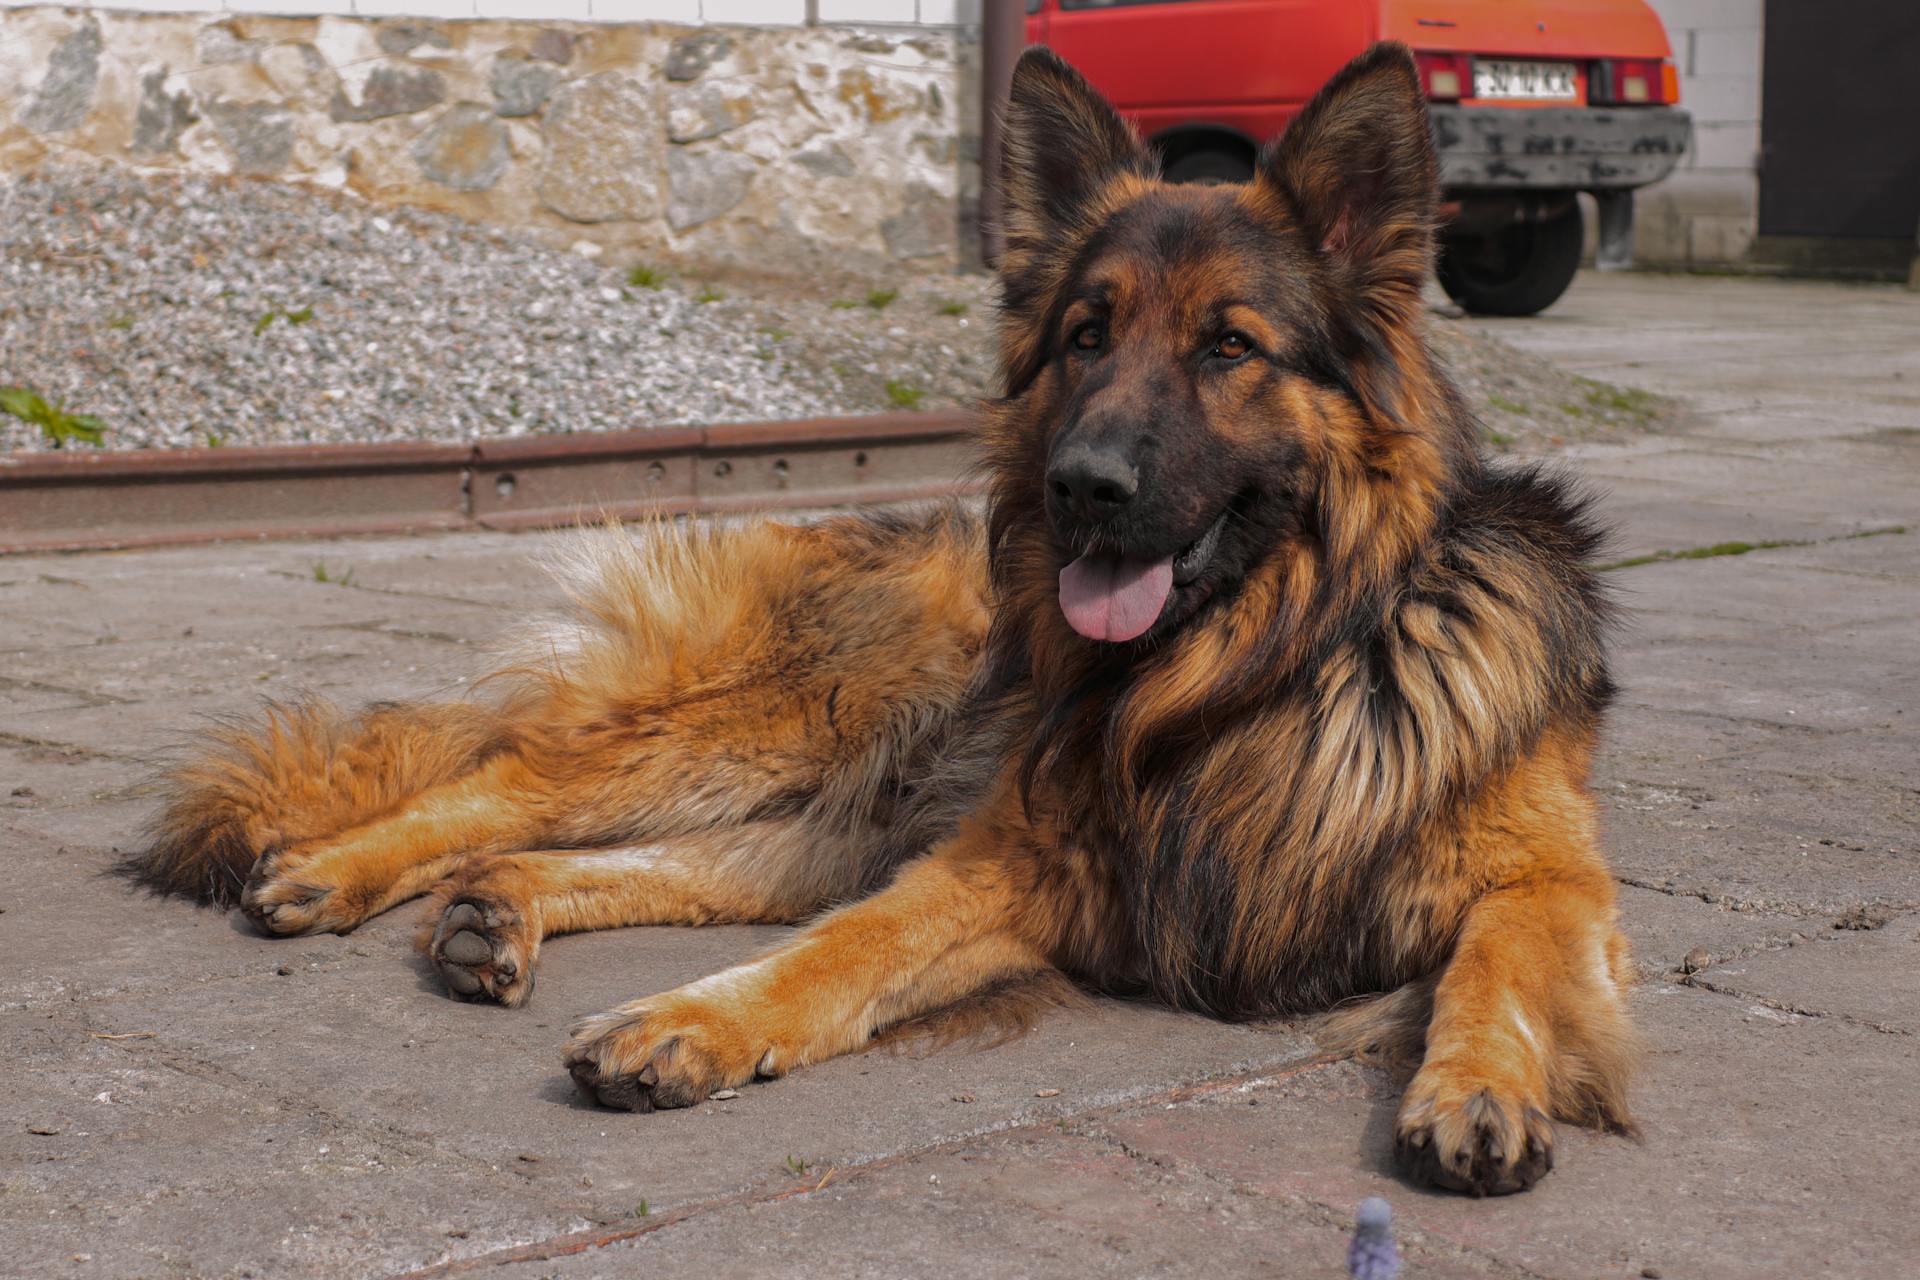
159	497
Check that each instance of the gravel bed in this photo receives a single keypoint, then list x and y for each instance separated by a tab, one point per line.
186	310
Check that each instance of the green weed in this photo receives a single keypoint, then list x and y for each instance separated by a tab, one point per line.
881	299
301	316
904	395
322	574
953	308
645	277
1605	398
1719	549
55	423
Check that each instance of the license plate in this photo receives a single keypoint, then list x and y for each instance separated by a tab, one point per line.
1547	80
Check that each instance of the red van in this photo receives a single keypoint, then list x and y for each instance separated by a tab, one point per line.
1532	102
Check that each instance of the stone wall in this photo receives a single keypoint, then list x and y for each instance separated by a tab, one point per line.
795	150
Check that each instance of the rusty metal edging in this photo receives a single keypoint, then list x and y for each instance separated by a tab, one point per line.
158	497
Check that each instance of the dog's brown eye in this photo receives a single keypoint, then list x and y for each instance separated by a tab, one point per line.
1088	337
1232	347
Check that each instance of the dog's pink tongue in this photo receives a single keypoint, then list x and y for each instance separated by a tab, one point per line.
1110	597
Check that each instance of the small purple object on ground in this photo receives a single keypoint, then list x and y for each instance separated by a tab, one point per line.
1372	1256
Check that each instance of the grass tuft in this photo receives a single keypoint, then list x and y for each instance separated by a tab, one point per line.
904	395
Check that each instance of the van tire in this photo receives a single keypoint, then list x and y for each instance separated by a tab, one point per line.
1519	270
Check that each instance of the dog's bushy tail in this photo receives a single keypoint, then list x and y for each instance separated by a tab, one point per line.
305	770
1387	1030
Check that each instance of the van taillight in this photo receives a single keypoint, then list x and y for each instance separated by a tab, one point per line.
1446	77
1634	82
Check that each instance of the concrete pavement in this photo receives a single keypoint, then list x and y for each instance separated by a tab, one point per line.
185	1098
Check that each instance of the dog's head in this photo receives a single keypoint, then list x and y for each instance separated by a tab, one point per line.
1203	380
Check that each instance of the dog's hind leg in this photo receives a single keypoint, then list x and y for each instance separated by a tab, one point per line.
306	771
516	802
484	923
831	656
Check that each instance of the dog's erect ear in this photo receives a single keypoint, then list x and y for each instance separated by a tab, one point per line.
1357	169
1063	144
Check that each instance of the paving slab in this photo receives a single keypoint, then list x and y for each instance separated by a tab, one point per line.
1839	971
1775	1145
1031	1202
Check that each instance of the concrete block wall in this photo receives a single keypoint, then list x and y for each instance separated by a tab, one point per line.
1707	212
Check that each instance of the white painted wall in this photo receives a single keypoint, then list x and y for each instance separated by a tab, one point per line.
923	13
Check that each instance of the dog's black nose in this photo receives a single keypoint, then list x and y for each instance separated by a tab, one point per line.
1091	482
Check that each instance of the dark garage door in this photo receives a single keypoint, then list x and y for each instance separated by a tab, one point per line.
1840	119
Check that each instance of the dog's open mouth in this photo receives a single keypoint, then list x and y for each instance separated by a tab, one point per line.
1112	596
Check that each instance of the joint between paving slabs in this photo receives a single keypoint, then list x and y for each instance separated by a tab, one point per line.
87	697
401	592
381	627
1747	906
1722	550
1700	982
846	1175
1411	1240
28	742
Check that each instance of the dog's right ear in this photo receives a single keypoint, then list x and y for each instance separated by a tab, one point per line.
1064	144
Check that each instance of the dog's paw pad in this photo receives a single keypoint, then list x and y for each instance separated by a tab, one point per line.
482	953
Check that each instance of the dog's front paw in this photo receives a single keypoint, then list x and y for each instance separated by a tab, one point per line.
668	1051
484	950
1467	1135
291	892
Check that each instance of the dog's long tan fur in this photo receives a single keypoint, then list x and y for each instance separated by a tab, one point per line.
1348	762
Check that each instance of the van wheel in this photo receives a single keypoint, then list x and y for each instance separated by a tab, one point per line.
1519	270
1208	165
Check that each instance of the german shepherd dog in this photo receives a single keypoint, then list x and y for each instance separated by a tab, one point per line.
1257	691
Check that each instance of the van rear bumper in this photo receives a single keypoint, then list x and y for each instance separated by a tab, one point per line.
1558	148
